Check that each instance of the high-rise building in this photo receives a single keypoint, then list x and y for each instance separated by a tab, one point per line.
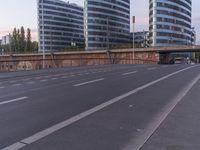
107	23
141	39
194	38
170	22
6	40
60	25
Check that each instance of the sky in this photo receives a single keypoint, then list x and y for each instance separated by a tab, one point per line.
17	13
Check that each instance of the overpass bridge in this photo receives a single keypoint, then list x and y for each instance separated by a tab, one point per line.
160	54
195	48
165	52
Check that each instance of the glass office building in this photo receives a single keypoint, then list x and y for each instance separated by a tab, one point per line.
170	22
60	25
107	24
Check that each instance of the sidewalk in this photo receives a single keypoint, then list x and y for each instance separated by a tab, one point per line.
181	129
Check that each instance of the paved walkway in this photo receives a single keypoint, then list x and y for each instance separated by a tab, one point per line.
181	129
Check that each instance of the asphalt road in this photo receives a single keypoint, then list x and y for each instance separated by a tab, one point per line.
111	107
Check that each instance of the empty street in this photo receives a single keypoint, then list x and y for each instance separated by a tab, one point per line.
105	107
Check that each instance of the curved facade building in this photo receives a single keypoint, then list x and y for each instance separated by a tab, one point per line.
60	25
170	22
107	23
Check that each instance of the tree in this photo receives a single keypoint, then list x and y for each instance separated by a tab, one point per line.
20	42
34	46
22	39
4	48
28	40
14	40
197	55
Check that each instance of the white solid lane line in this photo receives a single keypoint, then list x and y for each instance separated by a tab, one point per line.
141	139
13	100
87	113
128	73
89	82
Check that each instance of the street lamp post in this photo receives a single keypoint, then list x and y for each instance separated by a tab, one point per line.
133	39
108	34
43	47
193	40
51	43
185	37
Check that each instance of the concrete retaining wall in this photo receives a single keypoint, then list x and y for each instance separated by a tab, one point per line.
55	60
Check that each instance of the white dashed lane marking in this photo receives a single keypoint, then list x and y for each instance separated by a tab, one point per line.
26	79
17	84
32	82
46	76
128	73
54	79
89	82
43	80
12	81
164	66
13	100
153	68
140	140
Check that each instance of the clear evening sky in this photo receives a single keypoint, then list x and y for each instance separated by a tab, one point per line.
16	13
